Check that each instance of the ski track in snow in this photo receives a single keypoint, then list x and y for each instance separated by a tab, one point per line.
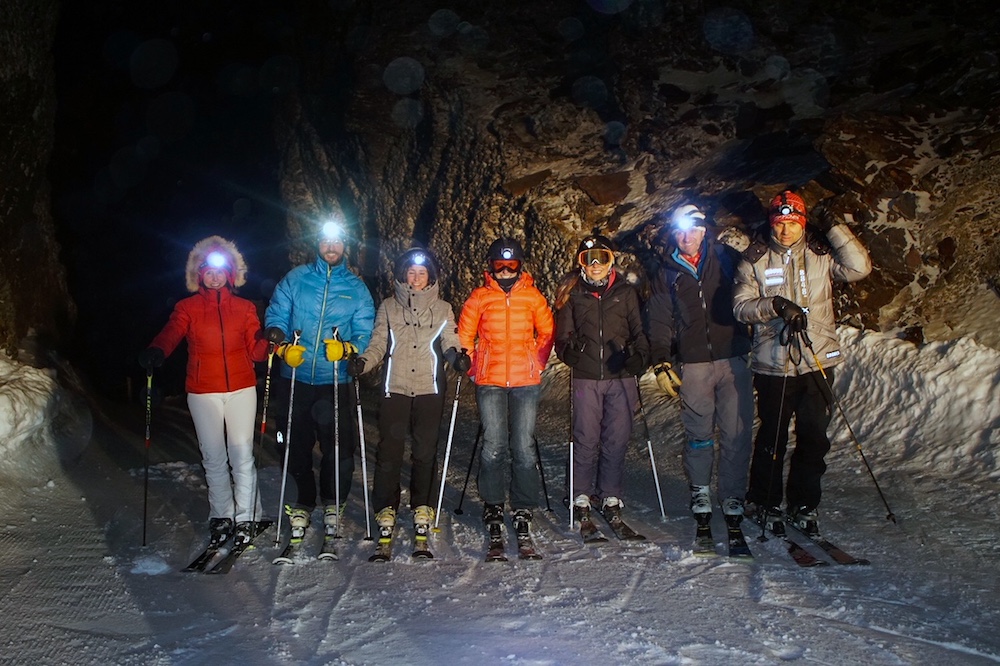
78	586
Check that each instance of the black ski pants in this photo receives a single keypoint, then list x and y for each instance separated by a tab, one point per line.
399	416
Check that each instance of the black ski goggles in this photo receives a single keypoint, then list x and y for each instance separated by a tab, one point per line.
595	256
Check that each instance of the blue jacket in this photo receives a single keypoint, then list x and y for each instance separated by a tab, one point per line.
314	298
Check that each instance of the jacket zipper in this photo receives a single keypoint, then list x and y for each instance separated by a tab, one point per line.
222	330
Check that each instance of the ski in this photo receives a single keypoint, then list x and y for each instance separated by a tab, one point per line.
201	563
704	543
328	551
589	532
289	554
802	557
622	530
421	550
738	548
495	548
226	564
383	547
836	553
526	548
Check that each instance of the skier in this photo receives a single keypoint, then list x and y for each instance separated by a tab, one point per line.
334	311
224	339
599	335
508	325
691	326
412	327
784	289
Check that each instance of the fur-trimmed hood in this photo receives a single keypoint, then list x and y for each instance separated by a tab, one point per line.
237	267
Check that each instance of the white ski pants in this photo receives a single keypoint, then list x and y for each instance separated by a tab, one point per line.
224	424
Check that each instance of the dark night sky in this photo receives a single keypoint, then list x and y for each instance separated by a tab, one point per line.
163	136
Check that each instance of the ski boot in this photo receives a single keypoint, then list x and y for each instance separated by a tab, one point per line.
581	509
732	509
521	519
386	521
423	516
244	533
220	530
493	519
805	519
333	516
701	504
298	520
772	520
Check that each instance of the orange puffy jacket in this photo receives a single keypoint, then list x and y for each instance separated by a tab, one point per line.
511	334
223	336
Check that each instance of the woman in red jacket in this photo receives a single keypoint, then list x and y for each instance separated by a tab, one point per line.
224	339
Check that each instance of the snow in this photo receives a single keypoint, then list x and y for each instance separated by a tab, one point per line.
78	586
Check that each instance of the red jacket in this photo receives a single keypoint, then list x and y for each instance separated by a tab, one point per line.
223	336
514	333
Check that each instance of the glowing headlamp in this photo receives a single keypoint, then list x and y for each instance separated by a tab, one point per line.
215	260
785	209
687	218
507	253
332	231
419	259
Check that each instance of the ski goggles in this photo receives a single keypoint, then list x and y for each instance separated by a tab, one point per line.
595	256
512	265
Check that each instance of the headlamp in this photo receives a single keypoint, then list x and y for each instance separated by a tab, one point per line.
786	209
419	259
507	253
215	260
332	231
687	218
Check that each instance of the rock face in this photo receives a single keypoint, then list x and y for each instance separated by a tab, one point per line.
452	125
33	295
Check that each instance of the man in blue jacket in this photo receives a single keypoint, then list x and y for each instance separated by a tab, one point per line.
334	311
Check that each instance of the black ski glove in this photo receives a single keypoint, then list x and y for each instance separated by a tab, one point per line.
634	364
151	357
573	351
355	366
462	362
275	335
792	314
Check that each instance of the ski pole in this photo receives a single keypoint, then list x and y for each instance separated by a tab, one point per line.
572	497
857	445
263	423
541	472
288	444
774	445
468	472
336	435
364	462
145	484
447	453
649	447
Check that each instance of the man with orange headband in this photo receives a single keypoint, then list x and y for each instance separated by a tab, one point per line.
784	288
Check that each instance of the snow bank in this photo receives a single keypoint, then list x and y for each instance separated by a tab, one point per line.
935	407
28	398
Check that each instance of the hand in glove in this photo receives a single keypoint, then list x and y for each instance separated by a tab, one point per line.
792	314
667	379
462	362
151	357
634	364
293	355
338	350
356	366
573	351
274	334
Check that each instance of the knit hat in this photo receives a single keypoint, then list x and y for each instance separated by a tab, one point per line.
215	252
787	206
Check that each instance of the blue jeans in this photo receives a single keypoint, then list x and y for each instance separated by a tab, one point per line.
508	419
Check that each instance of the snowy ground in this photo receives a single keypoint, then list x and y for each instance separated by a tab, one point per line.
78	586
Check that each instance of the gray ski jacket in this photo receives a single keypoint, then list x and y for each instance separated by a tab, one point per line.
412	330
804	274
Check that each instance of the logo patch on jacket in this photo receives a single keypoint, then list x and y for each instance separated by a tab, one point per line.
774	277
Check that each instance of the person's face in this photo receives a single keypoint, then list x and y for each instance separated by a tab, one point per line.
689	240
417	277
213	278
786	232
332	251
597	272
